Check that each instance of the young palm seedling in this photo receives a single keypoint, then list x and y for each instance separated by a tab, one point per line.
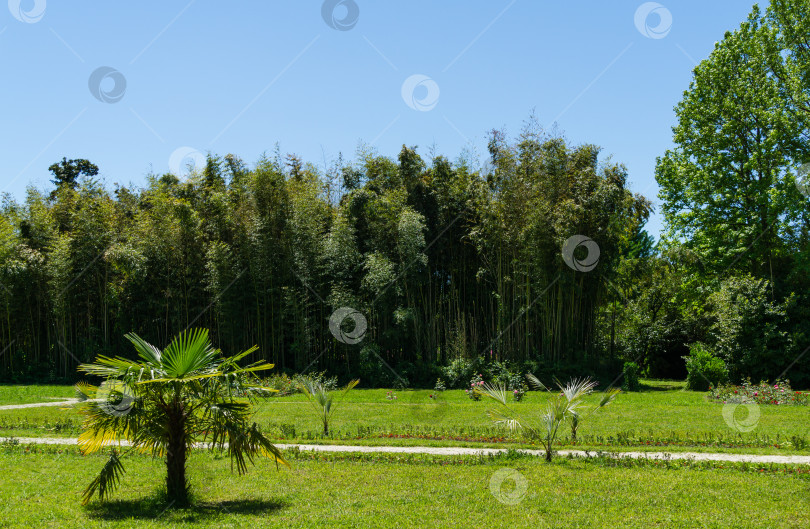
567	405
574	392
165	402
322	399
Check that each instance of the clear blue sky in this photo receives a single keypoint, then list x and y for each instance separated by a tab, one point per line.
240	76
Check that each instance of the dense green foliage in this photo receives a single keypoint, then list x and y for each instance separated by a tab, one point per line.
704	369
630	377
733	272
458	269
443	260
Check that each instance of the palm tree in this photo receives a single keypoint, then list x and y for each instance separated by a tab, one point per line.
565	405
322	399
167	401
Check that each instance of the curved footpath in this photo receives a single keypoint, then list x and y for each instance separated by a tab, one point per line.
458	451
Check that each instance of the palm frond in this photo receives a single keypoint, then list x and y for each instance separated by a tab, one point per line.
351	385
233	360
577	388
93	440
105	366
262	446
505	418
150	354
535	382
321	399
496	393
107	480
221	419
84	391
608	396
188	353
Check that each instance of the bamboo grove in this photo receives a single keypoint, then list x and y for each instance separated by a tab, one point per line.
450	263
444	260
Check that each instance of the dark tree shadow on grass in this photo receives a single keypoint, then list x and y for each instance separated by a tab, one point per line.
157	508
662	387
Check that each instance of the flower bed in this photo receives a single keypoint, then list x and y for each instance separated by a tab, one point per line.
778	394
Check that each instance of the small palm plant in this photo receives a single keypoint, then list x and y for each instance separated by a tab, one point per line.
322	399
563	406
165	402
573	392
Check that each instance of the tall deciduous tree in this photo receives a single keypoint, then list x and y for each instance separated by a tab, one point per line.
724	186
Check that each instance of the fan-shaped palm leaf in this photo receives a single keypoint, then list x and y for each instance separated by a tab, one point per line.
183	394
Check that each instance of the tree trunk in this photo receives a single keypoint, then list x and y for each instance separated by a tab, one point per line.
176	484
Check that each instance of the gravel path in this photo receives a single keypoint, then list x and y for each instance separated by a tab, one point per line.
38	404
457	451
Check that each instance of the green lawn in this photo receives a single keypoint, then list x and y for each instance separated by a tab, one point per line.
664	417
400	491
16	394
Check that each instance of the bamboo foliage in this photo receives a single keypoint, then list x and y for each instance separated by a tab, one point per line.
443	259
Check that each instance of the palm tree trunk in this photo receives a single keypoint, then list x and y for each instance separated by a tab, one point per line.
176	484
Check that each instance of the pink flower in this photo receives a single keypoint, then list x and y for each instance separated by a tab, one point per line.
756	393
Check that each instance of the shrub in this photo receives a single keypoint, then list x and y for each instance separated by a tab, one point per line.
281	383
371	369
499	372
703	368
630	377
517	386
440	386
519	392
476	384
749	329
459	371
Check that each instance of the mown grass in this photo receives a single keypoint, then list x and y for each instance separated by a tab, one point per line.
401	491
17	394
663	417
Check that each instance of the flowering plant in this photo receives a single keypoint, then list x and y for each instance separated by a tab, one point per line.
778	393
476	384
390	395
517	386
519	392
